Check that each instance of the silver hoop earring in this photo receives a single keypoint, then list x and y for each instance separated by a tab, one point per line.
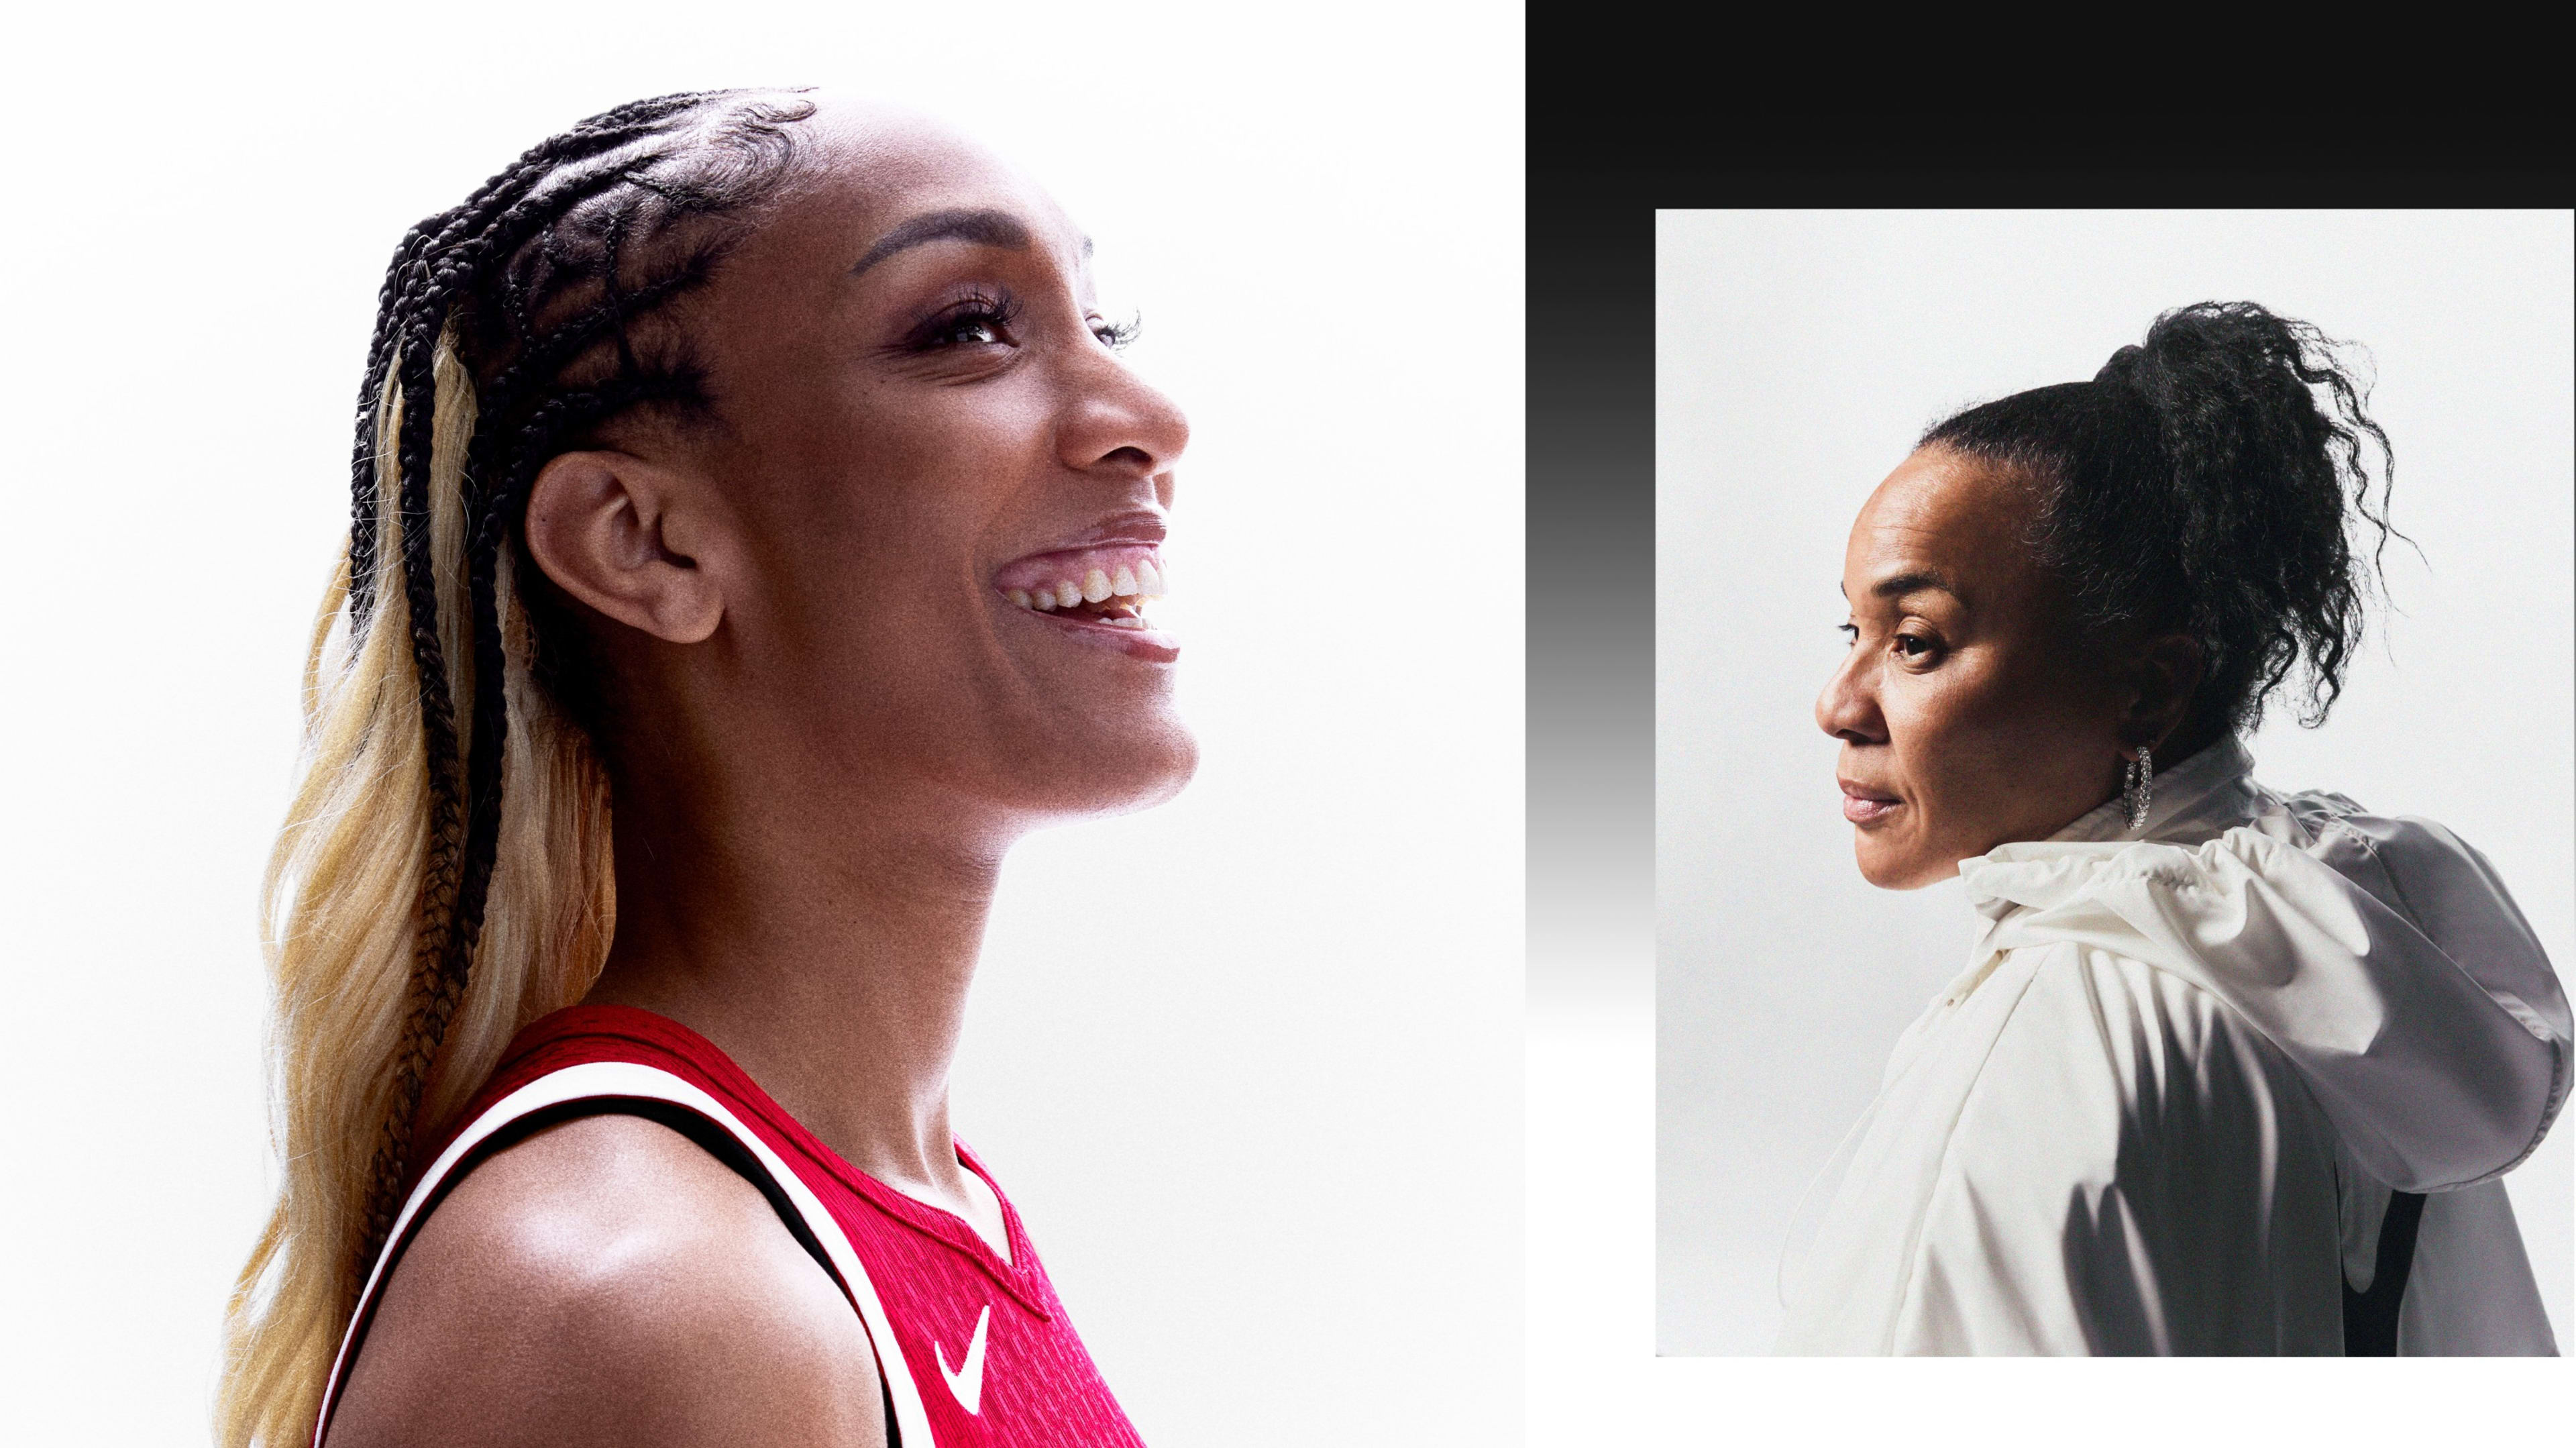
2140	786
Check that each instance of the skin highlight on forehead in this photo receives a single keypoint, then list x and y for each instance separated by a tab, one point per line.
911	179
1948	523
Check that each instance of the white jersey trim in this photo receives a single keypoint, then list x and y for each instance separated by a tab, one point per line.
596	1079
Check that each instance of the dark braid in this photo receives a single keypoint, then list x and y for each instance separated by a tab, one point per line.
528	282
397	305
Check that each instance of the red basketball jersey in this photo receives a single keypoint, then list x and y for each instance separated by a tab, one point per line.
973	1350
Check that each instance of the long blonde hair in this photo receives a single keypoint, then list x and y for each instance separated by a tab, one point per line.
417	914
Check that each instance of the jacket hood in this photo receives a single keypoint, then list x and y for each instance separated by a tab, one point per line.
2382	956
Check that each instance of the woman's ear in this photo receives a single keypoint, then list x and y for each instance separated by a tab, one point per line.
2163	676
624	536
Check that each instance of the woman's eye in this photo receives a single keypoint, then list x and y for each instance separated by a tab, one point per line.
1849	631
1913	646
976	321
970	329
1114	335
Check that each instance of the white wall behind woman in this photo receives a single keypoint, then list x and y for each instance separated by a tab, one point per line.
1249	1063
1798	356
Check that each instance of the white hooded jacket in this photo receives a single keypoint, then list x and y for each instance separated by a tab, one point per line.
2163	1108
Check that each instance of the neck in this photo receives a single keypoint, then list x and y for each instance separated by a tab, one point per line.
824	943
2191	737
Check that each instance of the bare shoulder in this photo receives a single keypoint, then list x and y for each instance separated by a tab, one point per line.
607	1281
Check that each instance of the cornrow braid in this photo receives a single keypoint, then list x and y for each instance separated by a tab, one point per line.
397	301
417	913
500	282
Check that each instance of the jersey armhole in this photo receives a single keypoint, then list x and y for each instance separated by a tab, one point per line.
669	1101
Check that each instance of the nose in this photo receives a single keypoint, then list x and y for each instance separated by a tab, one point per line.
1848	708
1113	422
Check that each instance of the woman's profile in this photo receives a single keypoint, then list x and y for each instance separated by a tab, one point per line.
2229	1071
753	533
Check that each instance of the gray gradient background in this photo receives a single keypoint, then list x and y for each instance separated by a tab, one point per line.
1591	608
1589	1079
1797	356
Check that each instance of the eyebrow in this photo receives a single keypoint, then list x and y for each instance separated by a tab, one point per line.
983	226
1905	583
1915	582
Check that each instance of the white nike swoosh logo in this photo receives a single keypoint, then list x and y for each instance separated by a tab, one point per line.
966	1383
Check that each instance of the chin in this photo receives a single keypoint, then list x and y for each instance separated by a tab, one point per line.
1136	769
1891	869
1166	773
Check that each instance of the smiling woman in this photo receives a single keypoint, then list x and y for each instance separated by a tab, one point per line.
752	534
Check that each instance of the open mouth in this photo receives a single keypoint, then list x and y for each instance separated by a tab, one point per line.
1108	587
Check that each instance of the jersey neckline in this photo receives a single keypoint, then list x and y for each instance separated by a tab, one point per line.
1020	1276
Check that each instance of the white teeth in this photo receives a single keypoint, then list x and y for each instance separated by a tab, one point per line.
1140	580
1124	622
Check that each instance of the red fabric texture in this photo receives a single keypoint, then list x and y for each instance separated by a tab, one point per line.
933	1274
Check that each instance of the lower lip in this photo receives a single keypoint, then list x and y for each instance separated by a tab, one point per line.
1867	811
1150	644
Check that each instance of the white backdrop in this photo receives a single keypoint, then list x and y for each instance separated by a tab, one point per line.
1798	356
1241	1061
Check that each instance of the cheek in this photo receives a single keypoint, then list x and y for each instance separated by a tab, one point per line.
887	508
863	450
868	598
2000	758
1931	719
1957	737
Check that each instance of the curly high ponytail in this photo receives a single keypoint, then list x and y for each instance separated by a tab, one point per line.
2209	480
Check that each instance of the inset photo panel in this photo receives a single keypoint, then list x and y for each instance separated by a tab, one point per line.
2113	769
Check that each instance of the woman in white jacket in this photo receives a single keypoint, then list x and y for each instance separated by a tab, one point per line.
2228	1071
